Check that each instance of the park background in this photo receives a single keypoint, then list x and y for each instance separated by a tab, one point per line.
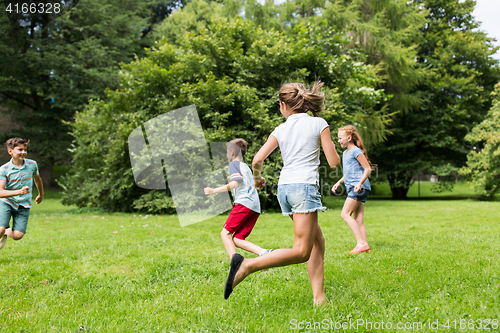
418	79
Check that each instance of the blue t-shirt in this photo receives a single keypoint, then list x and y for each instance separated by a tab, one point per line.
245	194
353	170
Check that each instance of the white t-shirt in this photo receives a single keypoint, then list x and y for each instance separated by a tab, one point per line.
299	139
245	194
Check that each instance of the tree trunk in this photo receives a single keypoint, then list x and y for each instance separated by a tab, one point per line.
400	184
46	174
399	193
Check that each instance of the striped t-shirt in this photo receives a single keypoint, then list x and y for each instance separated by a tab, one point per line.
245	194
16	178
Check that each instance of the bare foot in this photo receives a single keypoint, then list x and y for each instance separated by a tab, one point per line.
242	273
320	302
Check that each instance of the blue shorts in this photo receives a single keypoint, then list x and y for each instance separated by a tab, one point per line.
19	217
299	198
361	196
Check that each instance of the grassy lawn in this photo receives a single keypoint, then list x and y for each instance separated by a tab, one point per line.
460	190
430	261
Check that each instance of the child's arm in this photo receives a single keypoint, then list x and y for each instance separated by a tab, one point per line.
364	163
337	184
39	187
258	160
329	148
12	193
226	188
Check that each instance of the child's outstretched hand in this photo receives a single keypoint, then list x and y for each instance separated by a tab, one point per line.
335	187
209	190
38	199
259	183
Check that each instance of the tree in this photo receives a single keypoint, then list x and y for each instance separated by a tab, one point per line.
455	96
231	70
483	162
387	32
52	65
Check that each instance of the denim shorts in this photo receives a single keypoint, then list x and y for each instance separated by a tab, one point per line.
19	217
299	198
361	196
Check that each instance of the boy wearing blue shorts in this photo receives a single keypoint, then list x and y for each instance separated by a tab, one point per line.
16	182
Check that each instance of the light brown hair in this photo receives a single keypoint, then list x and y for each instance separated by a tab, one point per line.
300	99
14	142
238	145
352	131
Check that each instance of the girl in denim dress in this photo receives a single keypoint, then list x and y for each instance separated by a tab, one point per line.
356	168
299	139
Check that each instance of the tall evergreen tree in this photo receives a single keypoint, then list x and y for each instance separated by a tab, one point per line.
387	32
455	96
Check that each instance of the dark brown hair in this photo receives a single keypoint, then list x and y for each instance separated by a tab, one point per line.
300	99
356	138
14	142
238	145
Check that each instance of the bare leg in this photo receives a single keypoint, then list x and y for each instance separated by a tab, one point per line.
305	229
247	246
227	240
350	206
315	268
2	231
14	234
358	215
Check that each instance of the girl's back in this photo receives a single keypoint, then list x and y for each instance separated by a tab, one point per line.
299	142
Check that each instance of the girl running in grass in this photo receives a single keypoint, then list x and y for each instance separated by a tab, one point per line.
298	191
356	168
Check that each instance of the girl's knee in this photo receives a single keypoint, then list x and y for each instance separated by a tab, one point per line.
320	242
345	215
17	237
303	256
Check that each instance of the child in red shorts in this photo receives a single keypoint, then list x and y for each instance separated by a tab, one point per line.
246	206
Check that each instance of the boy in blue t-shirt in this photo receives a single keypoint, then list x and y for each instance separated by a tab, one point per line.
246	206
16	181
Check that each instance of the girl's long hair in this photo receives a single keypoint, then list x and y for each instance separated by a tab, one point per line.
356	138
300	99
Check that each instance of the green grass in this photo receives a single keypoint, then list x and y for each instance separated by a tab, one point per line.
431	260
460	190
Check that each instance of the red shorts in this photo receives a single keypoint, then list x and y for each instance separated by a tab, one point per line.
241	221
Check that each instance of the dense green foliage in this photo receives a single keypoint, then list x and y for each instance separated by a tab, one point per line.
454	96
414	77
231	70
483	162
387	32
52	65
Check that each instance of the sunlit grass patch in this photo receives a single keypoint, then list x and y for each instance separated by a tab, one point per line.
430	260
